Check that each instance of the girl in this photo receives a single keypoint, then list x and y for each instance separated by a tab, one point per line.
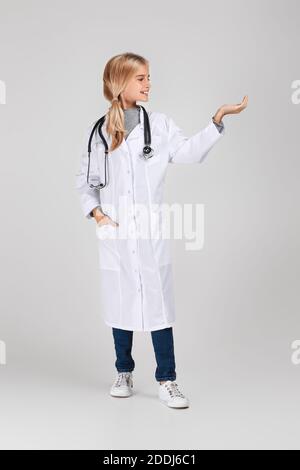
136	272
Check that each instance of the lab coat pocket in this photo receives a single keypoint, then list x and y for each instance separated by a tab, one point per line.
109	257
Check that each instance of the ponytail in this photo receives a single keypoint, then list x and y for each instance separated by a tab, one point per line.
115	124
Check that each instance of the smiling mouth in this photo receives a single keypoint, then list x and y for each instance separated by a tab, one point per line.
144	93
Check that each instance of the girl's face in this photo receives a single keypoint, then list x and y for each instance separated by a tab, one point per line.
138	84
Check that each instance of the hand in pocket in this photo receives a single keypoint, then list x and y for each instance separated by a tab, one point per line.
106	220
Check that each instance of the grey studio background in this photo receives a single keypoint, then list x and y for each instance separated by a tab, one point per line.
237	299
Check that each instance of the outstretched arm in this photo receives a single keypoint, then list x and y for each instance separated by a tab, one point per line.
183	149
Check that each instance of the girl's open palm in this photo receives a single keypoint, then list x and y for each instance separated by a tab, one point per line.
234	108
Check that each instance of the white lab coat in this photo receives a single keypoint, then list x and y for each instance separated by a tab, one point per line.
136	277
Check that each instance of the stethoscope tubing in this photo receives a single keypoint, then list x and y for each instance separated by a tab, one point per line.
147	150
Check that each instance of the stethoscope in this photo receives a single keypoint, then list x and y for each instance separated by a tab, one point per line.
147	150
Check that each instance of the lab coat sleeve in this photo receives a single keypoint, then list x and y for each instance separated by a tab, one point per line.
183	149
89	197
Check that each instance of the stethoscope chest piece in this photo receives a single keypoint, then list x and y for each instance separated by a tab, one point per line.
147	152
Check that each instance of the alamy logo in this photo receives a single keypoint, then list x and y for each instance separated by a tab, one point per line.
163	221
296	94
295	358
2	92
2	353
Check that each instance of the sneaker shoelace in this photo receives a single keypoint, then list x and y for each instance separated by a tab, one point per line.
123	379
173	390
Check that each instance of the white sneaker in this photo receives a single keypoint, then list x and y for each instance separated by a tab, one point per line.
170	395
123	385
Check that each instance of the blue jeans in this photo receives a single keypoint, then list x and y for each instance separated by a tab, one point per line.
163	344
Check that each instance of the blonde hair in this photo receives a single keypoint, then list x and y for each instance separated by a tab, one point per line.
117	73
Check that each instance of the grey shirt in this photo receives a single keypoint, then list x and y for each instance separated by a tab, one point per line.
131	119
